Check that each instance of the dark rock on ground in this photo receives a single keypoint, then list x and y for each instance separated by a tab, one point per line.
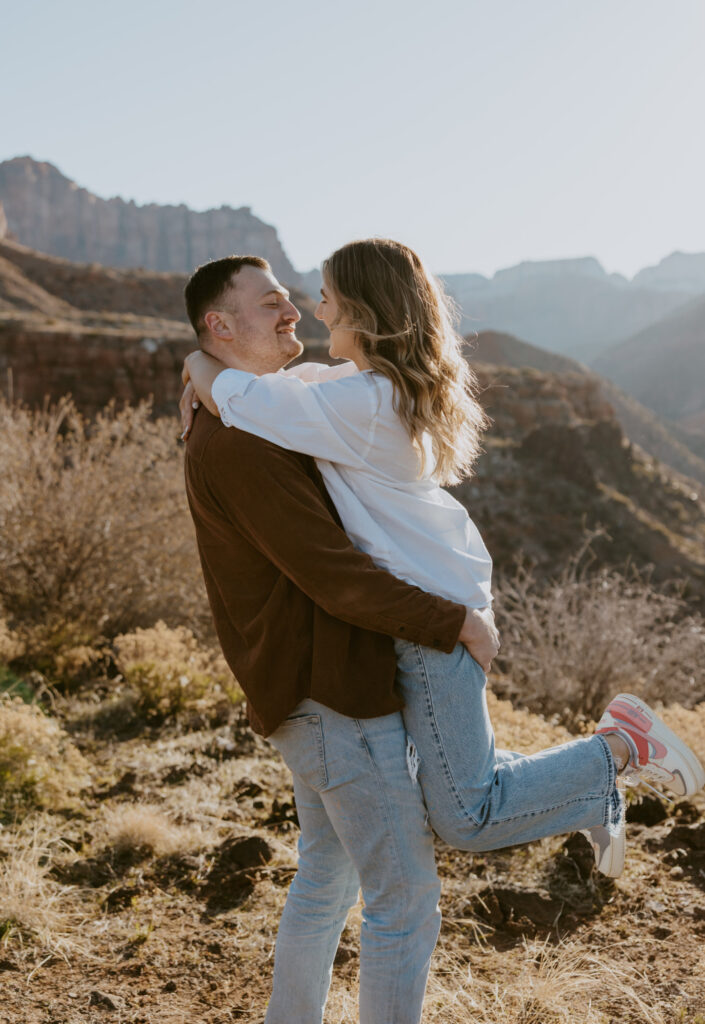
649	810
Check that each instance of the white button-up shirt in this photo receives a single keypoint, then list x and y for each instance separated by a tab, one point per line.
345	419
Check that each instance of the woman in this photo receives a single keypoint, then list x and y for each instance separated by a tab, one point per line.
388	427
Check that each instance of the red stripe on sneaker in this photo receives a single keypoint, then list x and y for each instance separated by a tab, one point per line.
642	745
630	715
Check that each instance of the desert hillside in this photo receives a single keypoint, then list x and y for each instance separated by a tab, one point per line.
662	439
663	366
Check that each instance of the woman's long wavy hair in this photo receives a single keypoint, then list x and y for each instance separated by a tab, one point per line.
403	324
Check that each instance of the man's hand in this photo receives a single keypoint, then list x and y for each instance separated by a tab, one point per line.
480	636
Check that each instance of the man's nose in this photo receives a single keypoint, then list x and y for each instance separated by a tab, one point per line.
291	313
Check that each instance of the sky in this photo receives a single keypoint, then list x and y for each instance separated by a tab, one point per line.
480	132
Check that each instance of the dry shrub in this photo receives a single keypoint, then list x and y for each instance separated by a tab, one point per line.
137	827
39	765
171	673
569	645
11	646
95	536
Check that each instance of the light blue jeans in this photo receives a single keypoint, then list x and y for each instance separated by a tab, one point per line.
364	825
480	798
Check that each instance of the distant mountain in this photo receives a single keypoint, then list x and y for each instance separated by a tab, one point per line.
680	271
657	437
663	366
47	211
572	307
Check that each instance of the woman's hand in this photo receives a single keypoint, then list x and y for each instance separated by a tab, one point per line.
480	636
198	374
187	406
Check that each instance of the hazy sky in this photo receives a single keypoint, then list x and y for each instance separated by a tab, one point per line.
482	132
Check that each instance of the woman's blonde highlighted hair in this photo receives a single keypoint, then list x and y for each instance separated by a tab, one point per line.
403	324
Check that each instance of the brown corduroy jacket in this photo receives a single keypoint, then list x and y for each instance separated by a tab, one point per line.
298	610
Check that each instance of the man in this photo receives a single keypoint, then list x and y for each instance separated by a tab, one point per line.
306	623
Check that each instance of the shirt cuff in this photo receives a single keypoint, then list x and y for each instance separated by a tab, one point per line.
229	384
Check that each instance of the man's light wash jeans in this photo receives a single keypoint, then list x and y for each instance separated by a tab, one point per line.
364	825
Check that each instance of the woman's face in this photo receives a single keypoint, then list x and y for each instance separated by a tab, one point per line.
342	338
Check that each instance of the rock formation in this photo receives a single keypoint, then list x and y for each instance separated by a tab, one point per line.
48	212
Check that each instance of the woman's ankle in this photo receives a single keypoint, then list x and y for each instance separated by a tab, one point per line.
619	748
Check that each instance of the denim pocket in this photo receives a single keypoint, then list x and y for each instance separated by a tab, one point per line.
299	740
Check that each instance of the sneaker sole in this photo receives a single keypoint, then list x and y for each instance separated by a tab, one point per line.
696	781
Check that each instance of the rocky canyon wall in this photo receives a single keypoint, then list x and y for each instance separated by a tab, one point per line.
47	211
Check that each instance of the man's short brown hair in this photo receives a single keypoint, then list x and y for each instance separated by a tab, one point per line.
209	282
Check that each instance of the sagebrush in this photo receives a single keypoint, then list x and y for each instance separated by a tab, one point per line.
39	764
171	672
95	536
573	642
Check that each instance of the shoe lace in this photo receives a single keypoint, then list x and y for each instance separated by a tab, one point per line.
635	779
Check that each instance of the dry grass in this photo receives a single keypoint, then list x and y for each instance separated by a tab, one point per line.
538	983
521	730
569	645
541	984
145	827
38	916
95	536
39	765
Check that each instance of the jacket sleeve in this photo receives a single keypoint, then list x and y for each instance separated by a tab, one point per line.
268	495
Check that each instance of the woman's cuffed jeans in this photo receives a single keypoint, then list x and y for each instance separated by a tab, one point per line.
480	798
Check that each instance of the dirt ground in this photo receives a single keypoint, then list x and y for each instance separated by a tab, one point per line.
531	934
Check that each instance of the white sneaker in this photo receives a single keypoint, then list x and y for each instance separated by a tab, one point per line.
662	757
609	849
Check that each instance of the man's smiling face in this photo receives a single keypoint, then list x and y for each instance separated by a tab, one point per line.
262	319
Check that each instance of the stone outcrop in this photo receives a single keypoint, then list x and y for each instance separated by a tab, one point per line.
47	211
3	223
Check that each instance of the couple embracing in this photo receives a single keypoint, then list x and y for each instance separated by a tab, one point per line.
351	596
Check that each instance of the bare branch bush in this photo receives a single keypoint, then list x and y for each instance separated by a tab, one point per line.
570	644
95	536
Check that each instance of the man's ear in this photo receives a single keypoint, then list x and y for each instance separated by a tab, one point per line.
218	326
